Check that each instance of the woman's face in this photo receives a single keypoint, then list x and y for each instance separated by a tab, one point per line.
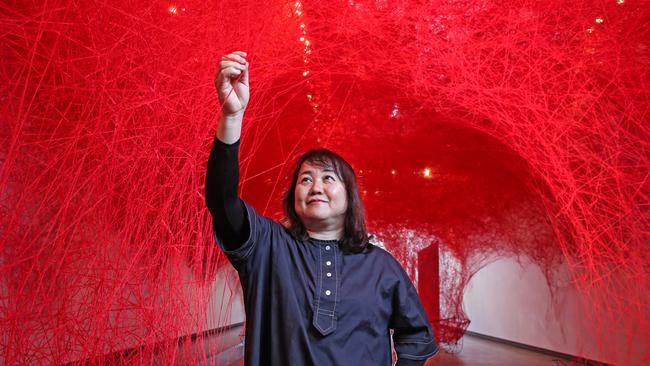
320	198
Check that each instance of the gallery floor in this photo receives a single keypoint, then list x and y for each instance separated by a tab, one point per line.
472	350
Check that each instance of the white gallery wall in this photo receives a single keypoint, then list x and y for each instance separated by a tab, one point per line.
511	300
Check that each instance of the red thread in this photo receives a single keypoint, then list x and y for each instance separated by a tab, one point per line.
491	129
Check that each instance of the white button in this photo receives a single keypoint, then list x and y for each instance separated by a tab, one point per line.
327	247
329	274
328	292
328	263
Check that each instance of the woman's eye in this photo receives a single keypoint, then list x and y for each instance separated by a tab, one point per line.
329	177
305	180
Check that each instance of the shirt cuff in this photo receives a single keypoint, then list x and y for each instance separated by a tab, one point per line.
415	349
407	362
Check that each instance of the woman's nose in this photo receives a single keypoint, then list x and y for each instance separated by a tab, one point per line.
316	188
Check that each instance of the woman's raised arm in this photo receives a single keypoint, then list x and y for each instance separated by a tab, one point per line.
222	176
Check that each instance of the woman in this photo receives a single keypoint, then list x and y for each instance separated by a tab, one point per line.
316	292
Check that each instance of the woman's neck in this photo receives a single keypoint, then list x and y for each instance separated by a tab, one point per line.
336	234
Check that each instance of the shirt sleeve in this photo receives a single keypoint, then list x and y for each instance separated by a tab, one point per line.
221	185
412	334
237	227
255	247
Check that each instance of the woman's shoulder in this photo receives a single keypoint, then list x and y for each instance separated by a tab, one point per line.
378	252
265	227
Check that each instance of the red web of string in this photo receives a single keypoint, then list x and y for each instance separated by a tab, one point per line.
484	128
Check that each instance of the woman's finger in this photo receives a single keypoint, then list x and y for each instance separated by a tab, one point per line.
241	53
244	77
226	63
234	57
231	71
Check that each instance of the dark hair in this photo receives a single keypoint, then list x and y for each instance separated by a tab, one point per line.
355	236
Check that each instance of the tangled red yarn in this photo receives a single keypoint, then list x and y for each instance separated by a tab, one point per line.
488	128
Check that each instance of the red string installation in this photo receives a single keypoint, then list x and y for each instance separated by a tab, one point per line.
484	128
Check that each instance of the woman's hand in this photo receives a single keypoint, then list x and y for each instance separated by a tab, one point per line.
231	83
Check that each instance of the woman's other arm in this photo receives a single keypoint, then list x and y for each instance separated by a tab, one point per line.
412	333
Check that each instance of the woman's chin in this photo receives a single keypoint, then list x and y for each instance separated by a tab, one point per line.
317	217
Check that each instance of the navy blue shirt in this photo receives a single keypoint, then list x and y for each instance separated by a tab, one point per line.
308	302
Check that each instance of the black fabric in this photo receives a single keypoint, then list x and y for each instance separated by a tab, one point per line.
309	303
221	184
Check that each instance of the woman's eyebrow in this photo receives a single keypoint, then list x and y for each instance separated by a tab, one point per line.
325	170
